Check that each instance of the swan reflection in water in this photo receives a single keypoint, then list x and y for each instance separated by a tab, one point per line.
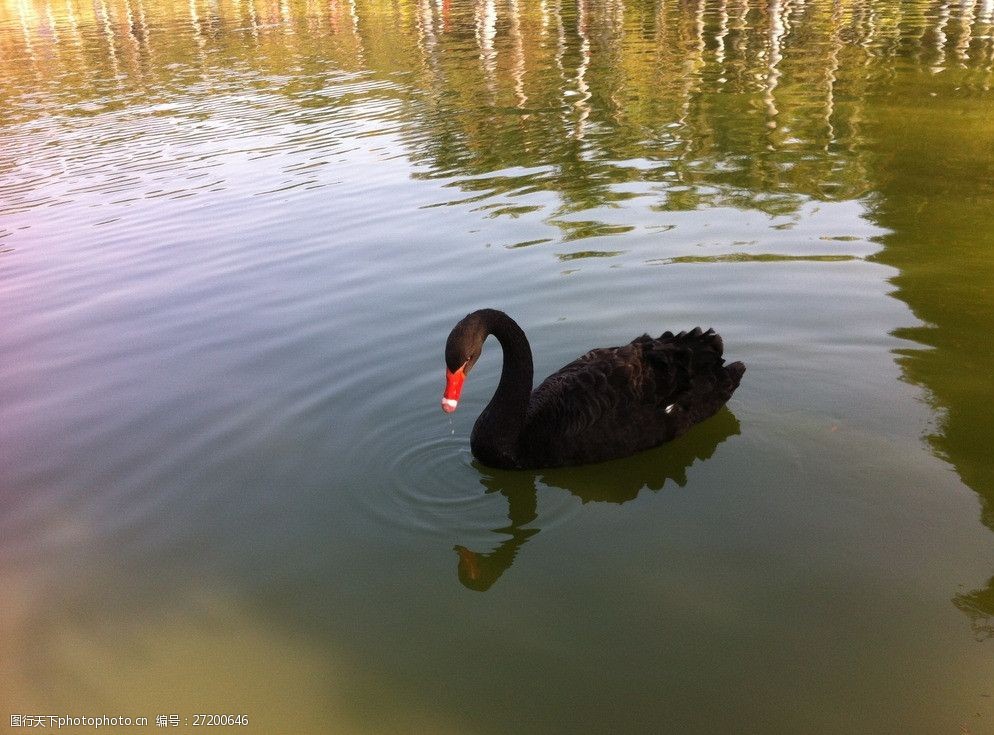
617	481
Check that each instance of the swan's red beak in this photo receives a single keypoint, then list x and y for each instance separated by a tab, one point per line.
453	387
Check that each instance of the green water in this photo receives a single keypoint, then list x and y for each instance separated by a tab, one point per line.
234	236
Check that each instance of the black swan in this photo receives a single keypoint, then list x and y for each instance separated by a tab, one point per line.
609	403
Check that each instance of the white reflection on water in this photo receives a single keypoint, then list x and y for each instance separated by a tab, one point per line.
486	32
778	29
582	103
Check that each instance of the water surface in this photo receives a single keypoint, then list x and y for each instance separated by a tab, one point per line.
234	236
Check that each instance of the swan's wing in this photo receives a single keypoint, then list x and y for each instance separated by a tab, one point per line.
588	392
614	401
688	372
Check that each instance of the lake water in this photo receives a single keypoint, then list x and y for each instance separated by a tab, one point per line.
234	235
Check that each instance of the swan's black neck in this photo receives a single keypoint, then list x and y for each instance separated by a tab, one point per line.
497	431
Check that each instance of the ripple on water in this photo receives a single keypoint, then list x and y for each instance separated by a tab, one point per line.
428	482
420	474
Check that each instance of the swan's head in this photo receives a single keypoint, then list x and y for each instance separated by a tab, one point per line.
462	350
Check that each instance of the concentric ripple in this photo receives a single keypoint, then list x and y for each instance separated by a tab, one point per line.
429	482
421	476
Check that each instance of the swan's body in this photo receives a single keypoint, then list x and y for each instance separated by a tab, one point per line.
609	403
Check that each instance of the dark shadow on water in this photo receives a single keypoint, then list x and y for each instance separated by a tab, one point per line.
938	211
617	481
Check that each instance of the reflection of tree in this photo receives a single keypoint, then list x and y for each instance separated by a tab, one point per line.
936	186
710	96
617	481
707	97
714	107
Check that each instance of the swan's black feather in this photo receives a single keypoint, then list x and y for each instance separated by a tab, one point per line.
613	401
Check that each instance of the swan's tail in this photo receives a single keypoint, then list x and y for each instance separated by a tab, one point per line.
734	372
706	347
709	339
710	342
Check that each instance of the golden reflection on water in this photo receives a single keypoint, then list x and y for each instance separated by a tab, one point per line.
648	65
79	634
98	640
938	208
637	83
